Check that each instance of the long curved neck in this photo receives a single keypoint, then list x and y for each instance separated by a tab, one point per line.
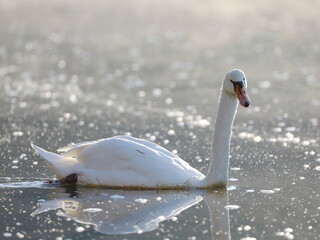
219	162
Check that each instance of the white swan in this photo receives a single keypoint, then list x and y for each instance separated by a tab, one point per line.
127	162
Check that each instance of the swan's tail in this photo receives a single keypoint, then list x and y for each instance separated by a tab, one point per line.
62	166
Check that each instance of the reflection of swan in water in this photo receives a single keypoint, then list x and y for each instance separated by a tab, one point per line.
219	215
124	212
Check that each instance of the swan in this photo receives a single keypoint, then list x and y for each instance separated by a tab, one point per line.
128	162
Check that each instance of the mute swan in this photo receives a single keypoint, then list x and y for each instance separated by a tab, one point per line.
128	162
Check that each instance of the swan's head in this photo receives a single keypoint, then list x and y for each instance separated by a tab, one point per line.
235	83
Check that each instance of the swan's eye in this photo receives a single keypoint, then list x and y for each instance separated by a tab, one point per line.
240	84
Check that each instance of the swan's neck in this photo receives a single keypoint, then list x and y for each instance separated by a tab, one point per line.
219	162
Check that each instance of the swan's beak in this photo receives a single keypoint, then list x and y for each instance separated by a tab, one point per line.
242	96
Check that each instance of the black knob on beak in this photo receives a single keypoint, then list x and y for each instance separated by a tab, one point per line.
246	104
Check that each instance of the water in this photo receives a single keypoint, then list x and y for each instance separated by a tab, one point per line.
79	71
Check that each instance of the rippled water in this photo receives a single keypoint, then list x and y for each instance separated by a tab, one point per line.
78	71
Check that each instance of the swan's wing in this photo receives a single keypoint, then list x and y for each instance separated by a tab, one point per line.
75	149
127	151
148	144
122	161
73	146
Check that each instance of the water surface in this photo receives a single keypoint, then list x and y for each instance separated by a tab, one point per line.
79	71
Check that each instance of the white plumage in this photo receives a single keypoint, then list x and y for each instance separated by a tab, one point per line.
120	160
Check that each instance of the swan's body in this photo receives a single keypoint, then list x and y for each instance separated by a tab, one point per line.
120	161
127	162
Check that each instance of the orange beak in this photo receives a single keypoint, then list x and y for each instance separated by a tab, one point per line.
242	96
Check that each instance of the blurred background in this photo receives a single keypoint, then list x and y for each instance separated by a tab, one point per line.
72	71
